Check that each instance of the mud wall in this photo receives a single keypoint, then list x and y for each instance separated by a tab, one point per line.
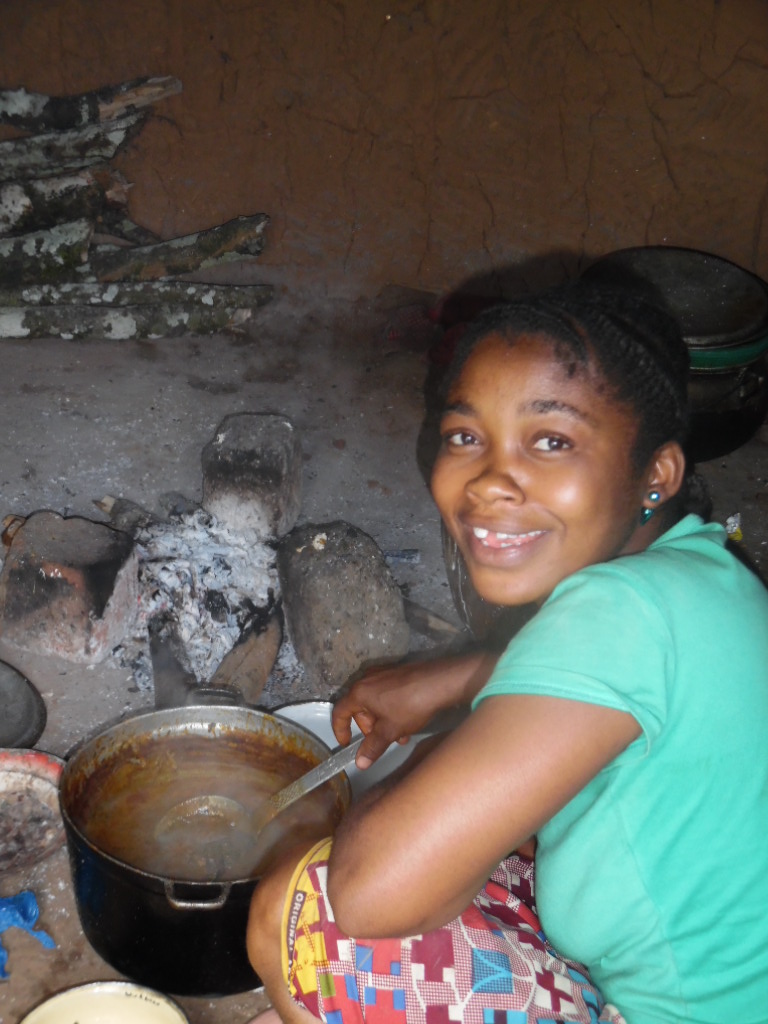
422	143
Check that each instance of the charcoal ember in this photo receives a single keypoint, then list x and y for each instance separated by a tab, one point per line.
342	606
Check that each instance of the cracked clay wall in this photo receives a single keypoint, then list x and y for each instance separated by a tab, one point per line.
422	143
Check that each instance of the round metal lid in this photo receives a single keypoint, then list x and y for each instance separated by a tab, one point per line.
717	304
22	709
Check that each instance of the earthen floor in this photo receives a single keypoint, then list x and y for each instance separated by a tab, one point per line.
130	419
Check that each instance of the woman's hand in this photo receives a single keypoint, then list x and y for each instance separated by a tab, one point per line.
390	703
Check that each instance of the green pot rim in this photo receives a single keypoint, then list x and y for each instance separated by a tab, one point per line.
725	358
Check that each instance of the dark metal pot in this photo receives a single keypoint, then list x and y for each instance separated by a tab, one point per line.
722	311
179	931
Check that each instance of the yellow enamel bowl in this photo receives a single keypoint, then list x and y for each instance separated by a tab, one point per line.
107	1002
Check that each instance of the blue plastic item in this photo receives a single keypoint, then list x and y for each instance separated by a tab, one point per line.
20	911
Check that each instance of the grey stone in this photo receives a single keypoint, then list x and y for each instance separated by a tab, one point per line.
252	474
342	606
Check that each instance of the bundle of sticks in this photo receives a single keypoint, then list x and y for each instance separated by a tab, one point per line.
72	262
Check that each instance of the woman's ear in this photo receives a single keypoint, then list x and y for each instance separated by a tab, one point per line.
666	472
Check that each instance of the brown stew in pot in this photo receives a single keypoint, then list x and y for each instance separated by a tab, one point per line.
120	805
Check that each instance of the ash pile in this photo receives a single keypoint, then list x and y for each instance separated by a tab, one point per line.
240	594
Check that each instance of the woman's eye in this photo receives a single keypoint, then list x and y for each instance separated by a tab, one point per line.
458	439
551	443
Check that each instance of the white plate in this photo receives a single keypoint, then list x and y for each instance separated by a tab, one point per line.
315	715
107	1002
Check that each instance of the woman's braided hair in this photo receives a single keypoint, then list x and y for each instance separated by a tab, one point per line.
625	334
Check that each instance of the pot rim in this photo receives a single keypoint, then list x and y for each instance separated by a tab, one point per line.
726	357
208	719
707	343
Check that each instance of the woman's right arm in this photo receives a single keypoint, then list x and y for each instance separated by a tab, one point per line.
390	703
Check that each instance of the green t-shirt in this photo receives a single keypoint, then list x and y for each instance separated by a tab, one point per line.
656	875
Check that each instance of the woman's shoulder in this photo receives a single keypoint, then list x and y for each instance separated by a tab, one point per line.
689	555
690	533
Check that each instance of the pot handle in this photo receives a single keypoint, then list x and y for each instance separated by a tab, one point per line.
181	904
211	696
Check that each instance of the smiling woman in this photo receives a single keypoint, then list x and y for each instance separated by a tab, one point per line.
535	478
602	740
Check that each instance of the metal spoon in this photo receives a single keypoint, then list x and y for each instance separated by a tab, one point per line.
214	815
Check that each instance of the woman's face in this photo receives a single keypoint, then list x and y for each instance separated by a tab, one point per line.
534	478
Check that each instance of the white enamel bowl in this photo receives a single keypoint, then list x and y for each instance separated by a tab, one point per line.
315	715
107	1002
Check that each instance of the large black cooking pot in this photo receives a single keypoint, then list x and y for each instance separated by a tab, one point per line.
173	916
722	312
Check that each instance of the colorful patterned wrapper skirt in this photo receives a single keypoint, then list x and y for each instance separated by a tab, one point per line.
492	965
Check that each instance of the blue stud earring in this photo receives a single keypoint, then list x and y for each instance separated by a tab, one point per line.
646	513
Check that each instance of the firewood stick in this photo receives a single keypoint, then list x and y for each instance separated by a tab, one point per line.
55	254
232	240
138	293
38	204
428	622
119	323
37	112
116	229
53	153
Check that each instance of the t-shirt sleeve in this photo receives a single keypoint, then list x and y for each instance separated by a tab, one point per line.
600	638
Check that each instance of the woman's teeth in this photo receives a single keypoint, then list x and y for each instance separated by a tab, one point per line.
502	540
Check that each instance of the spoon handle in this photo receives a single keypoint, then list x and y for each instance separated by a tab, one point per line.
332	765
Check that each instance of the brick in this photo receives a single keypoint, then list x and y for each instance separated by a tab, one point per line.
252	474
68	587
